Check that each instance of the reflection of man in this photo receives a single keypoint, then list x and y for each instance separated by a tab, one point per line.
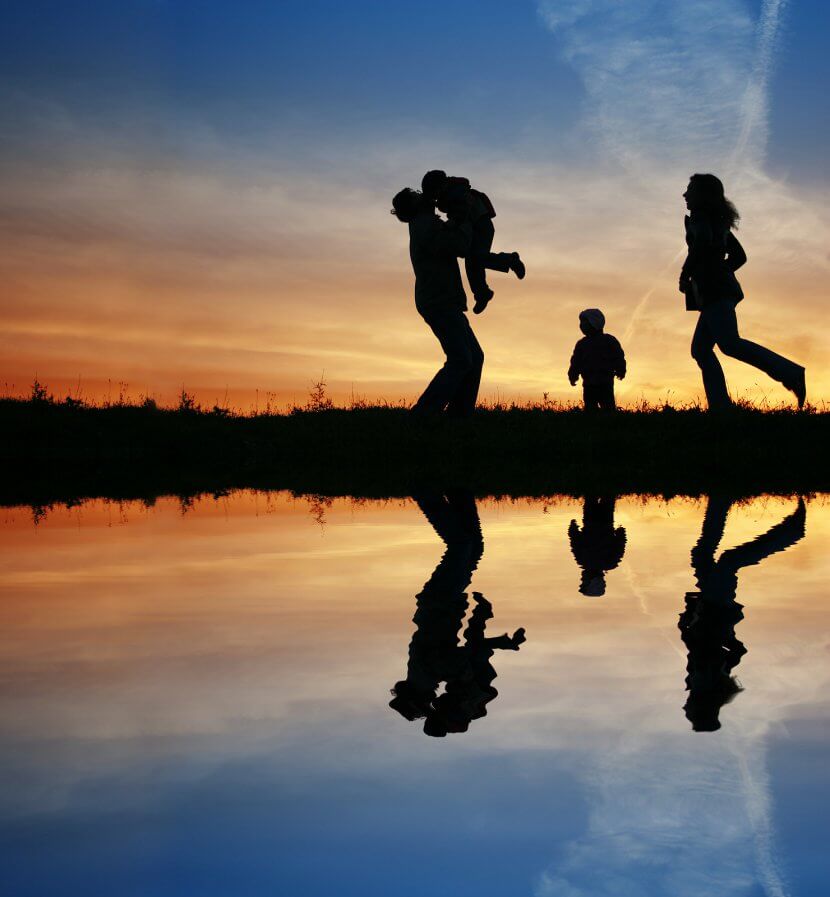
708	623
598	547
435	654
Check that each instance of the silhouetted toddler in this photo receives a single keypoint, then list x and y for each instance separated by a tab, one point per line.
451	192
597	358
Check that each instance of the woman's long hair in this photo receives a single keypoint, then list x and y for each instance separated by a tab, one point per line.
713	199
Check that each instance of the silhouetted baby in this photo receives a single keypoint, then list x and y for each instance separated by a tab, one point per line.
597	358
452	193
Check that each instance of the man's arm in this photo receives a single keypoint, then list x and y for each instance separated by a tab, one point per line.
448	237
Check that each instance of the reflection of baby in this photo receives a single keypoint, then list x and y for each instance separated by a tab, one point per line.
452	193
599	546
466	696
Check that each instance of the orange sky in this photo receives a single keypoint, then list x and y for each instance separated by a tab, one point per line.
211	282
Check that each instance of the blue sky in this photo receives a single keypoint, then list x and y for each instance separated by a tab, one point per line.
231	165
475	71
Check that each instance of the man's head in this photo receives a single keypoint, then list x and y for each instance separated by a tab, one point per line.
433	182
409	701
407	203
591	320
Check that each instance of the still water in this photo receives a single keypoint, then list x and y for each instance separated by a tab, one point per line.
264	695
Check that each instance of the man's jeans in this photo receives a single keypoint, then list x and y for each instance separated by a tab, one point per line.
455	386
718	326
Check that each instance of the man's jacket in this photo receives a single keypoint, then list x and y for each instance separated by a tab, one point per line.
434	247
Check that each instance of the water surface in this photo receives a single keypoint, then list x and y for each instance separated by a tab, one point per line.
196	699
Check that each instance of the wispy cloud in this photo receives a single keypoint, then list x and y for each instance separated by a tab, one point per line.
674	88
679	83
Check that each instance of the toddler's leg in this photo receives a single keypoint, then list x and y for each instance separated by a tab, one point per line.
606	397
590	398
476	261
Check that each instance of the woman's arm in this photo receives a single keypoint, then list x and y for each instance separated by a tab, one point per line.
735	252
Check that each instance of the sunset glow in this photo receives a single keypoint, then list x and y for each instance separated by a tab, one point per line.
203	203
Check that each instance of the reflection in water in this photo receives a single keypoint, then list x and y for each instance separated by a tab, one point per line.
599	546
435	655
180	743
707	625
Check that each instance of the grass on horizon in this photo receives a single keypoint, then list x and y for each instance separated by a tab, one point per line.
58	448
318	401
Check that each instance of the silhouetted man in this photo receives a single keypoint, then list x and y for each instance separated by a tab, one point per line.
435	653
707	625
434	248
599	546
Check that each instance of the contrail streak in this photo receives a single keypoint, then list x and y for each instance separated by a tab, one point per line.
753	115
755	99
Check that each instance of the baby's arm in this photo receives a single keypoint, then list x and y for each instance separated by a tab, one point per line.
575	368
619	362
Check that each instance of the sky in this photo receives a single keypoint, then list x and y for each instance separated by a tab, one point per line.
196	195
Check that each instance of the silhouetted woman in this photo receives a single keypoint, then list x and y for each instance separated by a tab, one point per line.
709	282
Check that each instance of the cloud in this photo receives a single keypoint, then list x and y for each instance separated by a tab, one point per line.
665	81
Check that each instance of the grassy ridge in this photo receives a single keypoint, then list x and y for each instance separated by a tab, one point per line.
64	451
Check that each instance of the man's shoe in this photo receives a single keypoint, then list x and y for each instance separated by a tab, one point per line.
517	266
799	387
481	301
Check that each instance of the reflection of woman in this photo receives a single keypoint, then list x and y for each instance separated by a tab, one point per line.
707	625
709	282
435	653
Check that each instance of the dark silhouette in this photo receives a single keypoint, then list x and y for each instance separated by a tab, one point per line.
435	654
434	248
446	192
599	546
708	280
707	625
598	357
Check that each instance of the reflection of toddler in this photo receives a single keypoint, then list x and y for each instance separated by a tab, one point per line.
451	192
597	358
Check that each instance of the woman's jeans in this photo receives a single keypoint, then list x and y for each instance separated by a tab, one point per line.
718	326
455	386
